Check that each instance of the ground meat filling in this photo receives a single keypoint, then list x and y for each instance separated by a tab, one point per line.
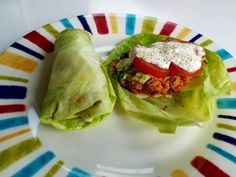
159	86
177	83
156	86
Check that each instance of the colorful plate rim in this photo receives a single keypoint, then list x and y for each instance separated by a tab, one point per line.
19	62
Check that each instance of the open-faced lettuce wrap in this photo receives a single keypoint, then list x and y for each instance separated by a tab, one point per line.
79	93
193	106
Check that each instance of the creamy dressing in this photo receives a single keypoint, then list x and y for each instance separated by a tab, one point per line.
187	56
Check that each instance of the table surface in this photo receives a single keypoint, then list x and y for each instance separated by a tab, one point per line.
214	19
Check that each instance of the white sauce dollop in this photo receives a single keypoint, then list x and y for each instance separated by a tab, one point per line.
187	56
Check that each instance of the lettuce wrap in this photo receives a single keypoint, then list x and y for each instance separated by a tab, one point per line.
79	93
193	106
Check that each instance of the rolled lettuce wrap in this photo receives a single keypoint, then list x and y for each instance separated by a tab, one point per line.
79	93
193	106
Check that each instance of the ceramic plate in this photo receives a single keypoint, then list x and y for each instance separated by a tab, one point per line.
118	146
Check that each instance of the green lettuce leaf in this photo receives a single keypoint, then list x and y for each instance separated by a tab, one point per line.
193	106
80	93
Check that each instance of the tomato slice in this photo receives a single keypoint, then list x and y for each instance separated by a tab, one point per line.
176	70
156	71
148	68
151	69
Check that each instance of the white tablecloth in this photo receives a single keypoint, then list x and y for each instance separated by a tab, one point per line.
213	18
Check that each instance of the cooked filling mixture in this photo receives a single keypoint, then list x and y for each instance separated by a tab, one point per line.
163	68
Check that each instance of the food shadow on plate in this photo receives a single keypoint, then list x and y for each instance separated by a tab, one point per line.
39	83
37	89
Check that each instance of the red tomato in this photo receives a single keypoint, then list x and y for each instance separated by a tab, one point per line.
156	71
176	70
148	68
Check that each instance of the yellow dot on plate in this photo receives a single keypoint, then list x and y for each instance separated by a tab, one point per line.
233	86
15	134
114	25
183	33
17	61
178	173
